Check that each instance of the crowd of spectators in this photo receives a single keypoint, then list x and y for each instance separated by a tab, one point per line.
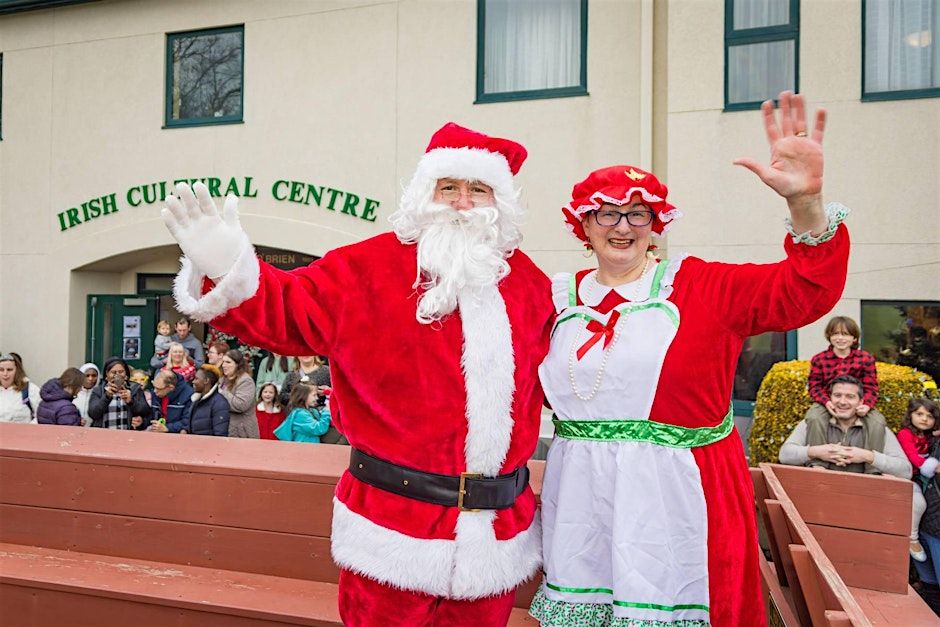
188	390
843	431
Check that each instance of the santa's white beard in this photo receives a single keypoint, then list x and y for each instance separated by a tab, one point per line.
459	251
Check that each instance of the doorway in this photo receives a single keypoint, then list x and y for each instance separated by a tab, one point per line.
121	325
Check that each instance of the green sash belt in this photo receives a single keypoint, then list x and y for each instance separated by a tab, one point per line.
643	431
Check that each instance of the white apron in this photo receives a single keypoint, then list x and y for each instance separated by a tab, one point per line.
623	512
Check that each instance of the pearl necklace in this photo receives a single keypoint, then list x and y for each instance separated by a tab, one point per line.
607	351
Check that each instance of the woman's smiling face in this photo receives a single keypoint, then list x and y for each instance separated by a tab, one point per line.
623	246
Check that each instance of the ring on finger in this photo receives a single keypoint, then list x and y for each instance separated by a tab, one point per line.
801	134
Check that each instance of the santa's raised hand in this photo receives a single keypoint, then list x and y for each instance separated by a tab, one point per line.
795	170
210	239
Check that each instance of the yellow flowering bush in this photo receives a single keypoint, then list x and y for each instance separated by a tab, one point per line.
783	399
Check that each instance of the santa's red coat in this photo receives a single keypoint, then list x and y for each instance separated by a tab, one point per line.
401	388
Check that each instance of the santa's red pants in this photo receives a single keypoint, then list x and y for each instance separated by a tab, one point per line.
364	602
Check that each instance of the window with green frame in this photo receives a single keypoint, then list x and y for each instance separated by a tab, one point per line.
762	51
900	49
205	76
528	49
758	354
903	332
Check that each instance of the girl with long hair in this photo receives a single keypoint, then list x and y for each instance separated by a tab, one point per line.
304	422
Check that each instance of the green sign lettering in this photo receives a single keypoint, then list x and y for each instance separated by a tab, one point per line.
282	190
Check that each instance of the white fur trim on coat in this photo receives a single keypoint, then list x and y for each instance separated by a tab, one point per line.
472	164
237	286
485	566
475	565
489	376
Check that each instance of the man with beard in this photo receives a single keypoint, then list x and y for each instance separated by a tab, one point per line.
434	334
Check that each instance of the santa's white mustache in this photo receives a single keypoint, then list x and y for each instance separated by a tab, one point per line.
456	250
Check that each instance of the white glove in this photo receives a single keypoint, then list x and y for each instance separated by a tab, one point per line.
929	467
212	241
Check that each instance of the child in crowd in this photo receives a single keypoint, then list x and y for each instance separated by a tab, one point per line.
161	343
56	407
916	439
304	423
843	357
141	378
269	411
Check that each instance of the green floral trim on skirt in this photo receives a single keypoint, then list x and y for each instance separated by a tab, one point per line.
563	614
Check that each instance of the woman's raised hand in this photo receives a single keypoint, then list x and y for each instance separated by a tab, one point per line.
796	156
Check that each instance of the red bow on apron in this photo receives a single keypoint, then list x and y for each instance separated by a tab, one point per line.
598	331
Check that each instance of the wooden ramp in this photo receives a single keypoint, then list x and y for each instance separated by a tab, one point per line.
101	527
839	546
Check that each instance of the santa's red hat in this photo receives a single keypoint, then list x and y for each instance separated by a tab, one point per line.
618	185
462	153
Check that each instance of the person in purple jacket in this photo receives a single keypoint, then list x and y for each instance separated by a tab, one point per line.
56	407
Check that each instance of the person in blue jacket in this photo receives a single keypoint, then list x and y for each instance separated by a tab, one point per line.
210	414
209	410
171	402
304	422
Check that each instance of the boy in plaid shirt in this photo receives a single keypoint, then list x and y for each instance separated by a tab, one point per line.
843	357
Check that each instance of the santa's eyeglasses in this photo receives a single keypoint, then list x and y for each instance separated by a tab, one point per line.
609	217
478	194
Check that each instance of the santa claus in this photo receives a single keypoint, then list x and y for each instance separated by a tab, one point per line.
434	332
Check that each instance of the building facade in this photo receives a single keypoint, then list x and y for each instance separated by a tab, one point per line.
315	112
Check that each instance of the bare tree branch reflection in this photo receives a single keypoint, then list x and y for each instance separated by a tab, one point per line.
207	75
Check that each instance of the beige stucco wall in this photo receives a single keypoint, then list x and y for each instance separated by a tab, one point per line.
346	94
882	160
343	94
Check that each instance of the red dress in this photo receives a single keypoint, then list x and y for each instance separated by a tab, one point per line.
667	371
268	421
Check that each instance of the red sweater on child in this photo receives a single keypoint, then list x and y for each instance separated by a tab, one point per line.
916	447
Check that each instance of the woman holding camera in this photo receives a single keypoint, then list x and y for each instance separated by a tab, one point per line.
117	402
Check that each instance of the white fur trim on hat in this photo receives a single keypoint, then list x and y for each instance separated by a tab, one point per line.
472	164
235	287
473	566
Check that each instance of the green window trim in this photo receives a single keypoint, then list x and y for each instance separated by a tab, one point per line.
168	121
531	94
900	94
767	34
746	408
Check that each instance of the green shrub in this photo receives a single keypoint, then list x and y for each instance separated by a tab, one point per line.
783	399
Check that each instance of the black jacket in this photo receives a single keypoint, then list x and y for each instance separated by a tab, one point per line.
99	401
930	521
209	414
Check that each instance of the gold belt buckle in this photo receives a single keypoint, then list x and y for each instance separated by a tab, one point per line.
461	491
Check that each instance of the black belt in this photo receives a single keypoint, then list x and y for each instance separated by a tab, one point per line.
467	491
